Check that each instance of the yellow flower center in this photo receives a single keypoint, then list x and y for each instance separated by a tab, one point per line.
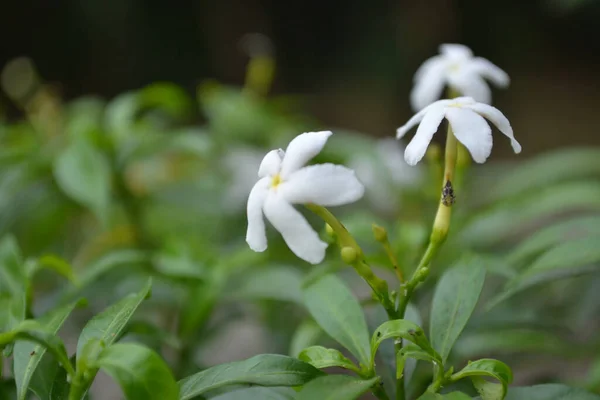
275	181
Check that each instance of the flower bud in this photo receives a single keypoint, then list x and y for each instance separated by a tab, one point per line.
329	230
380	233
349	254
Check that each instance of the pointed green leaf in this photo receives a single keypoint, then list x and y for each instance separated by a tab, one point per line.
29	356
488	368
337	311
411	351
404	329
321	357
259	393
551	391
53	263
336	387
262	370
84	174
141	373
454	300
109	324
33	331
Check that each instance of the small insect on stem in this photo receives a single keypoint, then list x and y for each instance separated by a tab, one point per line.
448	197
32	353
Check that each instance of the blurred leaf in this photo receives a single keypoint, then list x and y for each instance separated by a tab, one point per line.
335	387
33	331
551	391
84	174
53	263
488	368
158	335
178	266
447	396
307	334
547	169
167	97
498	223
114	259
84	116
404	329
337	311
273	283
13	279
28	356
120	113
262	370
259	393
109	324
454	300
566	259
321	357
141	373
511	341
555	234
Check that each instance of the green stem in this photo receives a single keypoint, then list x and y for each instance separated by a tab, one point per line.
380	393
378	285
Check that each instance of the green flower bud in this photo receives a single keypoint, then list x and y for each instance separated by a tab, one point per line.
349	255
380	233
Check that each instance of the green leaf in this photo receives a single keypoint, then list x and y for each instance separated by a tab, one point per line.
273	283
33	331
259	393
512	341
12	272
572	258
168	97
321	357
29	356
141	373
414	352
454	300
53	263
110	261
307	334
261	370
404	329
336	387
555	234
337	311
551	391
109	324
84	174
488	368
447	396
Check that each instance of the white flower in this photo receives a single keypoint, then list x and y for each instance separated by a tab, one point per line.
457	68
465	116
286	181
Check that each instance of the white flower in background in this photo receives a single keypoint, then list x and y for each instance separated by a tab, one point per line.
457	68
286	181
466	117
384	172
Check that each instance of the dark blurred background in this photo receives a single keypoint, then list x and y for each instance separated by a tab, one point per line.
351	60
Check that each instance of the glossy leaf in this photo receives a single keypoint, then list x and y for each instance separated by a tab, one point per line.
404	329
33	331
336	387
141	373
32	364
337	311
259	393
487	368
454	300
321	357
550	391
109	324
84	174
261	370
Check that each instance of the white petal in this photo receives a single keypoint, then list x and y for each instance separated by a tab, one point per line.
418	117
323	184
256	236
471	130
470	84
302	149
489	71
456	51
429	83
300	237
498	119
271	164
431	121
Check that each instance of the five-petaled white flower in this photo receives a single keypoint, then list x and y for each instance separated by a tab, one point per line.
457	68
465	116
286	181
